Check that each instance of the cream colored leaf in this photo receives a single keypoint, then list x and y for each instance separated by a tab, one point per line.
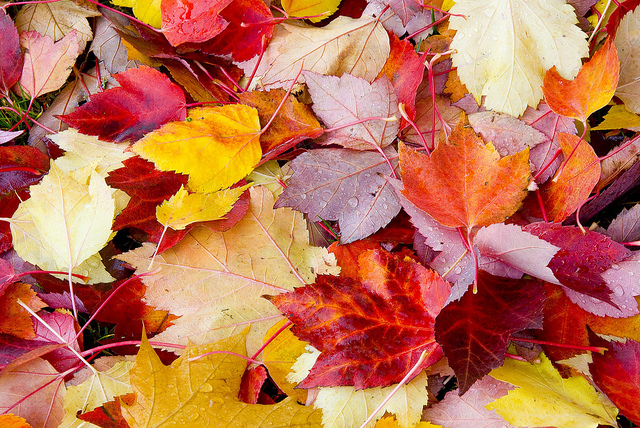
356	46
628	44
47	64
214	280
83	150
203	392
504	47
544	398
185	208
66	221
96	390
56	20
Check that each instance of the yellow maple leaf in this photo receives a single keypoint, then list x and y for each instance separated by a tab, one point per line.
66	222
300	8
619	117
215	146
204	392
185	208
544	398
147	11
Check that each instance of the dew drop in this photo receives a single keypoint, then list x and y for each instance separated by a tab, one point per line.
353	202
303	196
206	387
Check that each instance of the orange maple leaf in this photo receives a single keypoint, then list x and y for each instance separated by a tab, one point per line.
464	182
592	88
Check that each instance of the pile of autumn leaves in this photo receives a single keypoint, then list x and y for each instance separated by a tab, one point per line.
227	242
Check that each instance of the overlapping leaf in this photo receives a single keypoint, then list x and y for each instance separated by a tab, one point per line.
145	100
11	64
475	339
343	185
371	331
464	182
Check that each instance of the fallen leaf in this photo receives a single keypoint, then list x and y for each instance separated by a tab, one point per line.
533	36
20	167
614	166
146	11
592	88
464	182
468	411
99	388
266	252
47	64
342	101
293	123
66	221
209	384
16	320
356	46
475	339
56	20
628	44
508	134
626	226
362	327
215	146
573	184
10	54
125	113
544	398
85	150
618	117
17	394
581	260
328	184
617	374
108	47
187	21
304	8
184	208
13	421
63	323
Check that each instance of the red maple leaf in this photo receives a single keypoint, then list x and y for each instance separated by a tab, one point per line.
474	331
145	100
371	331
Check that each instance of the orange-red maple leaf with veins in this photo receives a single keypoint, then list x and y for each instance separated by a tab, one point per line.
464	182
371	331
592	88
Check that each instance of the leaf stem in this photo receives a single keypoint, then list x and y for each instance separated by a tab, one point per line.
273	336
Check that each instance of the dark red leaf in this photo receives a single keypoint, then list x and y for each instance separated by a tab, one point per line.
371	331
145	100
581	258
20	167
617	374
474	331
10	53
109	414
8	205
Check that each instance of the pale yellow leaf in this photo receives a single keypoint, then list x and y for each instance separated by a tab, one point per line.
66	221
43	408
185	208
299	8
504	47
215	146
344	407
47	64
356	46
56	20
271	176
82	150
96	390
628	44
204	392
214	280
544	398
147	11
